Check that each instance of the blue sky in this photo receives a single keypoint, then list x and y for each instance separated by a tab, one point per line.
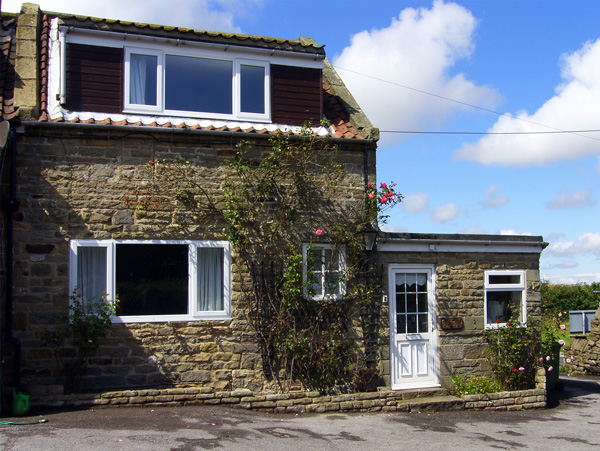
502	67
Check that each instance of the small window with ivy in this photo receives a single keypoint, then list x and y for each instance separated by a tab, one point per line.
504	297
324	271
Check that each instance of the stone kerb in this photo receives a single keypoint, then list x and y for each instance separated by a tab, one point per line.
510	400
302	401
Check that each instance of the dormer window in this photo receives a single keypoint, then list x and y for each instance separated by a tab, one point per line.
195	85
112	73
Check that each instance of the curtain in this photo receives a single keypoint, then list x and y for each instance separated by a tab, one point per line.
91	272
142	79
210	279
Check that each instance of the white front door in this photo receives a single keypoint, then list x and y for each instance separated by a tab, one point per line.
413	362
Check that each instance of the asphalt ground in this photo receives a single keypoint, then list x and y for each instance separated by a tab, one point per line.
571	422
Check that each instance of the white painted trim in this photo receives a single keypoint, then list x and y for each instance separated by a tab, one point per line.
193	315
119	40
341	268
434	246
522	286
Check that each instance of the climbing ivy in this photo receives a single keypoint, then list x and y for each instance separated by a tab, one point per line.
269	203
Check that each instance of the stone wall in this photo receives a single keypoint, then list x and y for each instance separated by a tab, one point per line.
584	351
459	290
72	182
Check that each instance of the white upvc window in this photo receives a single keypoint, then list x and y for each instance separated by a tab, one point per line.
168	81
155	280
505	297
324	272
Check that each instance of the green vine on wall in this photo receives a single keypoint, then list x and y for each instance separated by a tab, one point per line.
269	202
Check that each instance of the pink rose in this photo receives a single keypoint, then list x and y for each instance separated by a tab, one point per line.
563	327
371	195
319	232
383	186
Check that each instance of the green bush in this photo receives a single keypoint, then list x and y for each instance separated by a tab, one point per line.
562	298
474	385
514	351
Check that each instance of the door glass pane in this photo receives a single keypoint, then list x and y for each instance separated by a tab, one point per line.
252	89
152	279
411	281
198	84
411	324
411	302
401	327
423	323
401	303
142	79
421	282
400	283
422	302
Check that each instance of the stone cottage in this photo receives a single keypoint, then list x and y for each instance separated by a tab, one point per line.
93	102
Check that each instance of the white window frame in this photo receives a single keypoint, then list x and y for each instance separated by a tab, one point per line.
489	287
341	269
160	109
127	105
193	313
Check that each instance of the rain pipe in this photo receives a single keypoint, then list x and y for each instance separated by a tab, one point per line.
10	208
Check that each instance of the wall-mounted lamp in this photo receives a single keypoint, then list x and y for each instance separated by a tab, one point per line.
371	236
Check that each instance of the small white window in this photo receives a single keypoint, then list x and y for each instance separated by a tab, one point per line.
324	271
505	297
155	280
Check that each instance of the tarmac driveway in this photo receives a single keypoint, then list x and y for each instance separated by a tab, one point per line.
571	422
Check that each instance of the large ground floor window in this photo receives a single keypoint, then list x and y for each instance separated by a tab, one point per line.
155	280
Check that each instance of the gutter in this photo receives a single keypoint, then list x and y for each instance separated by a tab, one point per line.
442	244
144	129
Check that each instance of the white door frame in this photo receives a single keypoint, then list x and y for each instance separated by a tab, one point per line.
431	378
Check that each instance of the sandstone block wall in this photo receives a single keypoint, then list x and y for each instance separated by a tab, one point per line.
72	182
459	291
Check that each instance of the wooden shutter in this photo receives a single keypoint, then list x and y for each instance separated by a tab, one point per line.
94	78
296	95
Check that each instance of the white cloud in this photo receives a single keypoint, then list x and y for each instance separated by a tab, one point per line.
473	230
575	106
586	243
567	264
491	197
566	199
217	15
415	203
417	50
393	228
445	213
573	279
514	232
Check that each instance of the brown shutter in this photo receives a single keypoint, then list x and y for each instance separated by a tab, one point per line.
296	95
94	78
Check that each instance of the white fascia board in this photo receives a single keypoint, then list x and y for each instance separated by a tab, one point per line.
435	246
120	40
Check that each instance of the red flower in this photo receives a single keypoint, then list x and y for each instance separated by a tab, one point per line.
150	161
510	323
498	320
515	370
383	186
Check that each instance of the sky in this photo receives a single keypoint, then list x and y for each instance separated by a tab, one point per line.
489	110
